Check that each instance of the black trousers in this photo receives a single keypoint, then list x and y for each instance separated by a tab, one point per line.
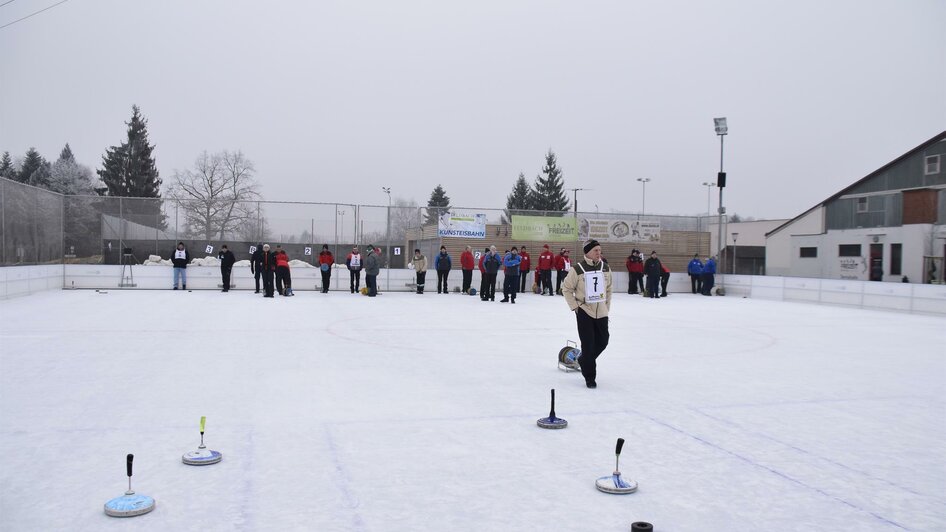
523	279
510	286
546	277
442	280
467	280
637	283
696	284
256	275
268	281
225	272
594	336
355	279
664	279
709	280
482	285
559	277
326	279
421	277
653	285
489	291
283	281
371	281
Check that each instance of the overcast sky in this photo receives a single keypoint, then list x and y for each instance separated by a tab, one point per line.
333	100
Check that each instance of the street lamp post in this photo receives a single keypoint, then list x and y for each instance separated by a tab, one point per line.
387	190
734	235
644	181
722	129
709	188
575	202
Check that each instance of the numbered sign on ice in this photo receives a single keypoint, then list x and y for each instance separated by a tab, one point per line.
210	249
252	250
308	251
397	251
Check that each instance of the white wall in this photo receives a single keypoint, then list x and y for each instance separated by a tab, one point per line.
24	280
750	233
779	248
915	239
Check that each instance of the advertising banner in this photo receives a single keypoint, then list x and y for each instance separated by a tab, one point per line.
544	228
615	230
450	225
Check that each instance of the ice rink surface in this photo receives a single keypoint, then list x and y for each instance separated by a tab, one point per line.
417	413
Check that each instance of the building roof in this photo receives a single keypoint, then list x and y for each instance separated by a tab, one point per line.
939	137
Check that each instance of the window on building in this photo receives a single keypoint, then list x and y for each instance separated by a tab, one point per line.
849	250
808	253
932	165
896	258
862	204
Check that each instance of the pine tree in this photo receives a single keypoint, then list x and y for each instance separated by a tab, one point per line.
439	203
129	170
549	193
519	200
69	177
42	176
33	162
66	154
6	166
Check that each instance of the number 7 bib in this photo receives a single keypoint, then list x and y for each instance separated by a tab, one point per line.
594	287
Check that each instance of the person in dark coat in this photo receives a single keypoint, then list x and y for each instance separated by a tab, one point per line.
695	271
268	268
372	269
255	262
442	264
653	270
483	274
709	276
354	265
492	261
179	259
226	266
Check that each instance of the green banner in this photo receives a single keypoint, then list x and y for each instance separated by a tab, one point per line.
544	228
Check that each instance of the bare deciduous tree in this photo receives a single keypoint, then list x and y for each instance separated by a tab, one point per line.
217	195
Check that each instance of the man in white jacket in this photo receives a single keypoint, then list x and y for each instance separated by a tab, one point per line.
587	290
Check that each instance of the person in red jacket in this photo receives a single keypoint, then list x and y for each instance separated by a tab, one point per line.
466	265
546	261
524	268
326	261
635	272
664	279
283	278
562	265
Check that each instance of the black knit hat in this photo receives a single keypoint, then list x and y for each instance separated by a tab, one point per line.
589	245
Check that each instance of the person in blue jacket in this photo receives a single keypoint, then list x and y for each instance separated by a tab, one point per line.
695	269
442	264
709	276
511	261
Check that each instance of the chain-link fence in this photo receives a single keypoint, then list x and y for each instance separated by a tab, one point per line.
42	227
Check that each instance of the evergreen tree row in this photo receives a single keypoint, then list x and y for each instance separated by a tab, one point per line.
547	193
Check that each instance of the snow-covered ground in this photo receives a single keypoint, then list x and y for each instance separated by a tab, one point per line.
406	412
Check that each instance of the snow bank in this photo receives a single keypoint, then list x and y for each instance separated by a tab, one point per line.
156	260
